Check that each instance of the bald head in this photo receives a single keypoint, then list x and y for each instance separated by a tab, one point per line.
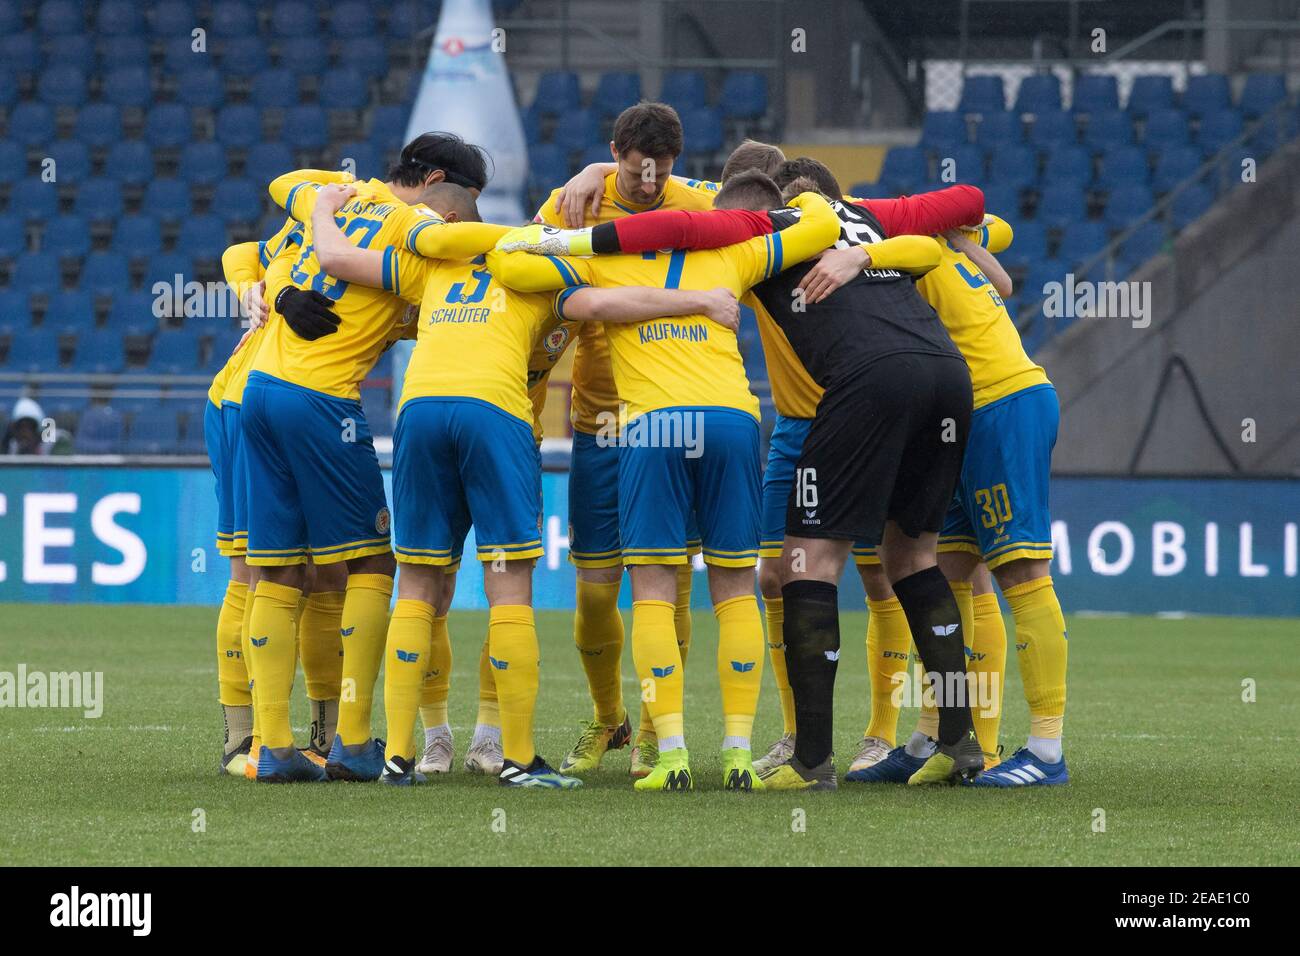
453	203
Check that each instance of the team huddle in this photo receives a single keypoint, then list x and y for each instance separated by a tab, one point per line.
912	432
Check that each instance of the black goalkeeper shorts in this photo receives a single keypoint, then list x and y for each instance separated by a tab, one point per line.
886	444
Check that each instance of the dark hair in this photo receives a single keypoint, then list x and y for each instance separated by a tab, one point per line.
652	129
443	198
808	168
751	154
462	163
801	185
748	189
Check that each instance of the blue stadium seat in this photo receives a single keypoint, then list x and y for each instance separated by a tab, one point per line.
13	237
1146	242
388	126
67	236
684	90
170	17
167	126
1041	273
1166	128
367	55
1095	93
13	161
180	58
119	18
31	124
20	52
344	89
1068	163
174	352
232	18
352	19
137	236
306	127
366	161
154	431
265	161
1206	93
576	130
408	17
1175	165
999	199
1268	137
557	93
71	160
702	131
165	267
35	350
291	18
595	153
62	85
548	166
73	309
8	89
1053	128
615	92
244	56
60	17
1218	129
131	310
99	431
99	124
982	94
943	130
276	88
1150	93
78	52
1014	164
531	120
999	129
128	86
967	165
15	311
105	273
1121	166
239	126
1039	93
34	200
1191	204
744	95
202	88
1082	240
1061	206
1126	203
1262	92
10	15
202	237
304	55
168	199
1029	244
1108	129
904	169
203	163
238	200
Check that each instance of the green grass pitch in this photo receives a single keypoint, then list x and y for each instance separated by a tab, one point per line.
1158	738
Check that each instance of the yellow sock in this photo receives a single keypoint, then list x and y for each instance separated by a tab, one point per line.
406	657
272	635
232	674
598	633
989	664
1042	650
364	628
513	638
245	629
888	640
658	666
437	677
740	666
682	610
320	646
774	609
489	707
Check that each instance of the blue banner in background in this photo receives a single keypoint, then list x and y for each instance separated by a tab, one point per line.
1141	546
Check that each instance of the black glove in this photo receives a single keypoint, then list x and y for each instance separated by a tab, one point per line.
309	314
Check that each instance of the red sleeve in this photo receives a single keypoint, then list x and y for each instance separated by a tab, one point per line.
686	229
928	213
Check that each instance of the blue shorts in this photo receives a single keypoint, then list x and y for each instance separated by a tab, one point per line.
459	462
716	478
314	481
238	477
593	505
214	437
1000	510
784	448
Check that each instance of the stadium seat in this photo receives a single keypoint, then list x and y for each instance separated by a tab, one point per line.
13	161
344	89
13	238
174	352
105	273
72	309
966	164
244	56
67	236
1001	200
982	94
202	88
1268	137
1040	274
203	163
999	129
1126	203
35	350
265	161
276	88
71	160
59	17
367	55
129	311
1206	93
365	159
1030	242
1149	93
20	52
1106	130
1014	164
557	93
170	17
1039	93
202	237
744	95
1166	129
119	18
8	89
943	130
128	86
99	124
232	18
239	126
1262	92
904	169
238	200
306	127
304	55
34	200
548	166
291	18
1218	129
1190	204
154	431
408	17
31	124
62	85
352	19
1123	165
1095	93
165	267
1081	241
1061	206
702	131
1053	128
576	130
1146	241
1175	165
1068	163
99	431
180	58
388	126
616	92
168	199
167	126
78	52
15	311
137	236
684	90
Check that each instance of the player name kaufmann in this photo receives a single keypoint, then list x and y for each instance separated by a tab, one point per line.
666	428
659	331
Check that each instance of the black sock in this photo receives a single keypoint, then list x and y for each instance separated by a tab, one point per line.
812	653
604	238
935	623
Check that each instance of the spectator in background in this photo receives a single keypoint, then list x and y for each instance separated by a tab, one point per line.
23	437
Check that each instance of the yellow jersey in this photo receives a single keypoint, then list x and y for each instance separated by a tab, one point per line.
594	391
977	319
374	218
794	393
547	352
685	361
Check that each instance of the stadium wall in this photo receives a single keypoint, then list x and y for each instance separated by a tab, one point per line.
73	533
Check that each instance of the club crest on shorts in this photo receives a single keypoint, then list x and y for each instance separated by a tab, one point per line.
382	521
556	341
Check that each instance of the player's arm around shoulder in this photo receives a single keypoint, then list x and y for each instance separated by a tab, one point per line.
525	272
643	303
286	190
